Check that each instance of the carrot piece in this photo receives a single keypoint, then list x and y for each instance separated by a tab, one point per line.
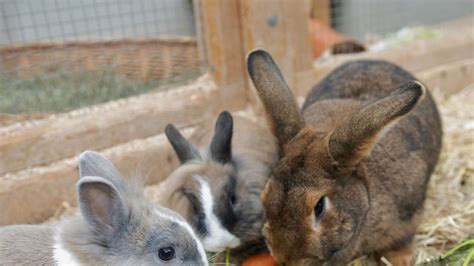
264	259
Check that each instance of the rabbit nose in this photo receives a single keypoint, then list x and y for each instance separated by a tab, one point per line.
219	243
233	243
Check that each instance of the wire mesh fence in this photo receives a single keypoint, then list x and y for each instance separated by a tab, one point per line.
52	20
363	19
60	55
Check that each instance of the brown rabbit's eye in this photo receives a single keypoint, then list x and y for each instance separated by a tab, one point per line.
166	253
319	208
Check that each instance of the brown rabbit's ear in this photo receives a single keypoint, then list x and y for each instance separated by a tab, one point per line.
356	136
282	110
185	150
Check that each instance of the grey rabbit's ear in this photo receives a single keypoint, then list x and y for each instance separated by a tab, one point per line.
102	206
355	137
282	111
185	150
93	164
221	144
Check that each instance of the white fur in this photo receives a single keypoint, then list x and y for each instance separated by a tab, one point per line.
190	231
327	206
61	255
218	238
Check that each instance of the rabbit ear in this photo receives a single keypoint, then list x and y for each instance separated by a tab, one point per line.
102	206
221	144
185	150
356	136
280	105
93	164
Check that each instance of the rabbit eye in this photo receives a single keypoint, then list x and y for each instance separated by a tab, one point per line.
232	199
166	253
319	208
230	188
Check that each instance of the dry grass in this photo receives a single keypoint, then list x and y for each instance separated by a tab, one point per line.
66	90
449	207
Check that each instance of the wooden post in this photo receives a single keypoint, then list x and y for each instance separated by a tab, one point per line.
230	29
321	10
280	27
221	34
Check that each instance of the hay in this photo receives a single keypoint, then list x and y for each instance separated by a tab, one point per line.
449	206
462	253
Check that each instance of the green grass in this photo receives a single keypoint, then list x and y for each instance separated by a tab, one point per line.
460	255
211	256
62	91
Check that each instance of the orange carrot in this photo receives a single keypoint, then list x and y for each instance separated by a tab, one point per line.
264	259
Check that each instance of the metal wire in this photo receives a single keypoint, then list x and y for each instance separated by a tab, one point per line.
50	50
362	18
51	20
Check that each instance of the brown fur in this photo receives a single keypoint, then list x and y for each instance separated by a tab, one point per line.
361	148
348	47
180	191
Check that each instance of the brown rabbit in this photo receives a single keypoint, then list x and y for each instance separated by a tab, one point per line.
354	165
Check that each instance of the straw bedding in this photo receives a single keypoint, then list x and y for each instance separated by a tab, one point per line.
449	207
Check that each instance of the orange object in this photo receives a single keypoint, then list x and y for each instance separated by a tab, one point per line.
264	259
323	36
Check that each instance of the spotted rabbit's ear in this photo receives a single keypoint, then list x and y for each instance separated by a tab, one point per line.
357	135
184	149
280	104
221	144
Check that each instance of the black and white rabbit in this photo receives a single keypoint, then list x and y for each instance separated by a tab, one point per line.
217	188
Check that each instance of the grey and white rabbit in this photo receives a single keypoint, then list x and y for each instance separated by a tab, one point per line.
117	226
217	188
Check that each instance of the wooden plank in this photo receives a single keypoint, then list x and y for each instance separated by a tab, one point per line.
448	79
416	57
280	27
33	195
221	31
321	10
45	141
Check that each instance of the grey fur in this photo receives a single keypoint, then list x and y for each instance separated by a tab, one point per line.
93	164
221	144
26	245
185	150
118	226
